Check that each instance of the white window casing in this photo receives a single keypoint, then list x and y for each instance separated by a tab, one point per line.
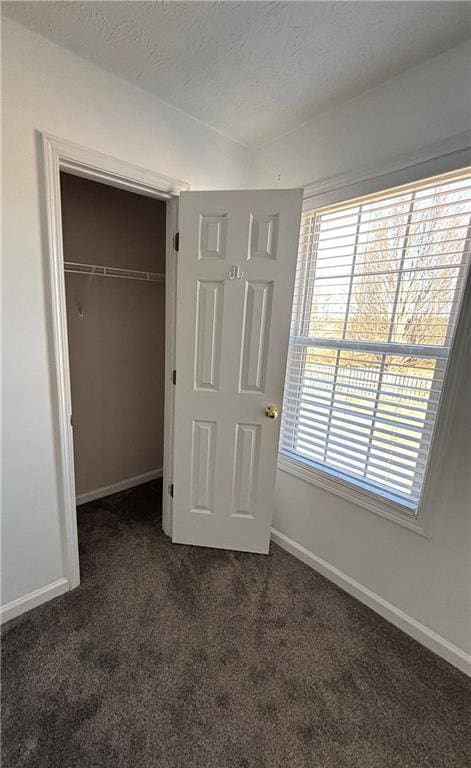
378	293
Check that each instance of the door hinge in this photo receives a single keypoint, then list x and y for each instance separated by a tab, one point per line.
176	241
174	376
170	489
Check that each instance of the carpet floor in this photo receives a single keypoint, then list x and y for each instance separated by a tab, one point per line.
170	656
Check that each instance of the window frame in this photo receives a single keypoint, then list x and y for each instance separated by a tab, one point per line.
342	189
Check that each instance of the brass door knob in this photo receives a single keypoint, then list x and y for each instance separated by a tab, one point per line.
271	411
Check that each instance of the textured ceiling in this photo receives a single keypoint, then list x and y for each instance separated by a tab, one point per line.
252	70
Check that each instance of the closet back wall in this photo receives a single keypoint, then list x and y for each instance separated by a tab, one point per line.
116	350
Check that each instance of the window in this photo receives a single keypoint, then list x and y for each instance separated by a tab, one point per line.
378	287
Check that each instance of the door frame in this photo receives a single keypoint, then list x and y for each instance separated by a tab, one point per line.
62	155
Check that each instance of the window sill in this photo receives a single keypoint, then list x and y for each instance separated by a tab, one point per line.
390	510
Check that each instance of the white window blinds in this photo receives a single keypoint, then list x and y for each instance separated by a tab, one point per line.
377	295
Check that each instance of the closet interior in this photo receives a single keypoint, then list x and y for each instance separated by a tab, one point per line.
114	261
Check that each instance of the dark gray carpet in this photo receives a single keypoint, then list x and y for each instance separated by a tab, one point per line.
170	656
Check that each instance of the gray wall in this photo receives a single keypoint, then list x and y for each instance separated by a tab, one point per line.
428	579
117	350
47	88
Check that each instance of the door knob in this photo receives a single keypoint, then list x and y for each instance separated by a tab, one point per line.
271	411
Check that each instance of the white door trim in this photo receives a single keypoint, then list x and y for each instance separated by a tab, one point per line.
170	330
61	155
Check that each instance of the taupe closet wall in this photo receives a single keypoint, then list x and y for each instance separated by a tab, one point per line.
117	350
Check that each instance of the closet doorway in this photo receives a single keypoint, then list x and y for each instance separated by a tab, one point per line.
75	300
114	245
224	358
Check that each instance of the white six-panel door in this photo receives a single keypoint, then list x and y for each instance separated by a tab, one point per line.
235	277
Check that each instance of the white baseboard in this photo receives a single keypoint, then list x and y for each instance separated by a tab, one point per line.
415	629
33	599
123	485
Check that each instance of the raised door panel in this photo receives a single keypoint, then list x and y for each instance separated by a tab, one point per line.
255	335
212	236
246	469
209	311
263	236
203	452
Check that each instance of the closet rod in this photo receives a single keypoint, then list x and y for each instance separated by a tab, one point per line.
78	268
